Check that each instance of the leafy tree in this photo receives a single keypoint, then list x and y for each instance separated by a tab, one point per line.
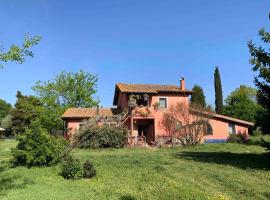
64	91
198	97
260	59
218	91
242	104
7	125
27	109
18	53
4	109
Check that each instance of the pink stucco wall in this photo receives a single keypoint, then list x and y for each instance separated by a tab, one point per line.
219	126
72	125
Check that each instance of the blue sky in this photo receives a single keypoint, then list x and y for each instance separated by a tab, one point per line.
134	41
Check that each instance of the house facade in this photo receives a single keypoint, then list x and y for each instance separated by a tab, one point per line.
144	106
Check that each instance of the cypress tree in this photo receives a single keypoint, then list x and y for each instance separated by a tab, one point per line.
197	96
218	91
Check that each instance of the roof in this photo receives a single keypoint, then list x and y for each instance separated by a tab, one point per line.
233	119
147	89
89	112
224	117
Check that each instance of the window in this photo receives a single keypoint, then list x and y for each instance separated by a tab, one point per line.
162	102
231	128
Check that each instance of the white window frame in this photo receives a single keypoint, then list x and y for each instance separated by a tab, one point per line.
233	128
167	102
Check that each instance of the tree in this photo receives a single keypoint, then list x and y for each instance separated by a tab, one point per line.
18	53
7	125
260	59
64	91
187	124
218	91
198	97
27	110
242	104
4	109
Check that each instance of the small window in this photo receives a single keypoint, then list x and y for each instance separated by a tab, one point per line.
231	128
162	102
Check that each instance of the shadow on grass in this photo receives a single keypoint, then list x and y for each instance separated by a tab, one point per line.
11	181
127	197
240	160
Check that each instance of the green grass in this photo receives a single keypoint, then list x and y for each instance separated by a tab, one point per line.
232	170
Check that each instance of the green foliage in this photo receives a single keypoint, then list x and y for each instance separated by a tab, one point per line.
18	53
260	59
241	103
238	138
37	147
218	91
71	168
4	109
236	171
27	109
89	170
257	140
64	91
266	144
7	125
198	97
101	137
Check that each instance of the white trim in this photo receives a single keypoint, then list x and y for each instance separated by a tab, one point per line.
167	102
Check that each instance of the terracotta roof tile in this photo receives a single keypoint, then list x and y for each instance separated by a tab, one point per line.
148	88
89	112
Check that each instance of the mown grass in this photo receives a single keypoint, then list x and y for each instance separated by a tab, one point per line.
201	173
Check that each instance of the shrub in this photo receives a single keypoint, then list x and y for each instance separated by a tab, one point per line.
71	168
266	145
89	170
241	138
37	147
257	132
101	137
258	140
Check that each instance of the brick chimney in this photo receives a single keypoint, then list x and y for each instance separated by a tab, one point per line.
182	84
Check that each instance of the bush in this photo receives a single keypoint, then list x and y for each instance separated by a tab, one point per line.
37	147
257	132
101	137
266	144
89	170
240	138
257	140
71	168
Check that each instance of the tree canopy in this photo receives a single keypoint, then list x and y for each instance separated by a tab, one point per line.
4	109
64	91
27	109
260	59
218	92
18	53
242	104
197	96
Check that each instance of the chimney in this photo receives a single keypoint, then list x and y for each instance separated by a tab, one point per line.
182	84
97	109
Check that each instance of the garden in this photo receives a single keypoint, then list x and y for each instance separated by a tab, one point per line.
210	171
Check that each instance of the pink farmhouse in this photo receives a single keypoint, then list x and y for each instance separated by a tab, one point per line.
149	126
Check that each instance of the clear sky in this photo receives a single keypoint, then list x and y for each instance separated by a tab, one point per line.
134	41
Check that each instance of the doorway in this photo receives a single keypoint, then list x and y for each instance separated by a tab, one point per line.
146	130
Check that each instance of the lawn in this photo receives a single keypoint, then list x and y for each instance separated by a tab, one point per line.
232	170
